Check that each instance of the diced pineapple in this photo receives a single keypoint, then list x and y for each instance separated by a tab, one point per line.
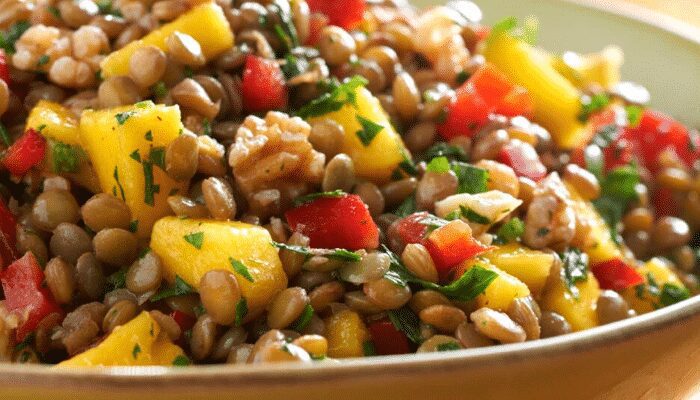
557	101
646	298
346	334
190	248
55	122
532	267
377	160
205	23
502	290
127	147
579	311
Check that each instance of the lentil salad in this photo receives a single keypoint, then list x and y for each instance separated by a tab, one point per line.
243	182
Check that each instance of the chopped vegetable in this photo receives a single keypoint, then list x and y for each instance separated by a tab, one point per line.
263	87
344	13
27	152
387	338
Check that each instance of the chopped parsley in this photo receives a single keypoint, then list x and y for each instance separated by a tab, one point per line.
368	349
5	135
241	311
407	207
12	35
407	165
148	136
511	230
206	127
336	254
135	155
304	319
122	117
135	352
473	216
617	191
471	179
159	90
442	149
462	77
672	294
54	11
285	29
544	231
407	322
314	196
241	269
448	346
119	184
294	66
117	280
181	361
574	269
188	71
43	60
134	226
369	131
439	165
334	99
509	26
25	342
180	288
157	157
634	115
592	104
105	7
196	239
150	189
64	157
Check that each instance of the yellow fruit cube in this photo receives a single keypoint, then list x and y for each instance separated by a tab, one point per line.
557	101
346	334
127	148
532	267
579	311
190	248
135	343
502	290
55	122
205	23
644	301
378	159
584	70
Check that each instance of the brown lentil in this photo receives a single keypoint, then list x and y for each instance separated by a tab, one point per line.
684	258
357	301
233	337
372	196
469	338
203	337
218	196
118	91
427	298
488	146
167	324
145	274
60	279
436	342
417	259
407	103
185	304
585	183
239	354
397	191
103	211
191	95
553	324
386	58
674	179
336	45
271	336
327	293
638	219
435	186
523	314
211	157
119	314
184	207
339	174
497	325
385	294
220	294
670	232
501	177
53	207
420	137
89	277
444	318
28	240
70	241
115	246
185	49
327	136
286	307
147	65
611	307
56	183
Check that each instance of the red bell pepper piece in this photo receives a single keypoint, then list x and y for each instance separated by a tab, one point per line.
335	222
411	229
25	296
4	69
343	13
263	87
316	24
616	275
523	158
387	339
451	244
657	132
26	152
185	321
486	92
8	235
664	203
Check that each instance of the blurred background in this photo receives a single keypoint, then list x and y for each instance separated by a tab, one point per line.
688	10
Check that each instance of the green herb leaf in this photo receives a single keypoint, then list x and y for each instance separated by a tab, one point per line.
634	115
117	280
43	60
368	349
473	216
181	361
504	26
150	188
369	130
439	165
134	226
135	155
135	352
304	319
12	35
448	346
462	77
337	254
407	207
157	157
442	149
338	96
64	157
241	269
27	341
5	135
196	239
617	191
181	288
119	184
407	322
672	294
105	7
199	310
160	90
241	311
122	117
471	179
313	196
285	30
407	165
574	269
148	136
511	230
206	127
592	104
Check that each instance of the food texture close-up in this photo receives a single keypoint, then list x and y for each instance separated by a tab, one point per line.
227	182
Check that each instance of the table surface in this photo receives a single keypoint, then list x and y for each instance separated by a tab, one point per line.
685	10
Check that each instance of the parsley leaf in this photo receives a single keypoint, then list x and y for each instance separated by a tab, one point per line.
181	288
25	342
617	191
407	207
117	280
439	165
122	117
442	149
574	269
471	179
181	361
337	254
12	35
119	184
134	226
285	30
159	90
672	294
150	189
338	96
448	346
64	157
407	322
5	135
368	349
135	352
592	104
313	196
473	216
241	311
196	239
407	165
369	131
148	136
509	26
304	319
135	155
157	157
43	60
241	269
634	115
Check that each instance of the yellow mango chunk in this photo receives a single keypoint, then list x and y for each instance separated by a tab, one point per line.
502	290
530	266
134	343
584	70
580	312
205	23
594	237
219	242
125	145
557	101
55	122
377	160
660	270
346	334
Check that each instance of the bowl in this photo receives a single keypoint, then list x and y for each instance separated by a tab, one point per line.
654	356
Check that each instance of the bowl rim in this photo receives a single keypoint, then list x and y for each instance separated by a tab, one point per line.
281	374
